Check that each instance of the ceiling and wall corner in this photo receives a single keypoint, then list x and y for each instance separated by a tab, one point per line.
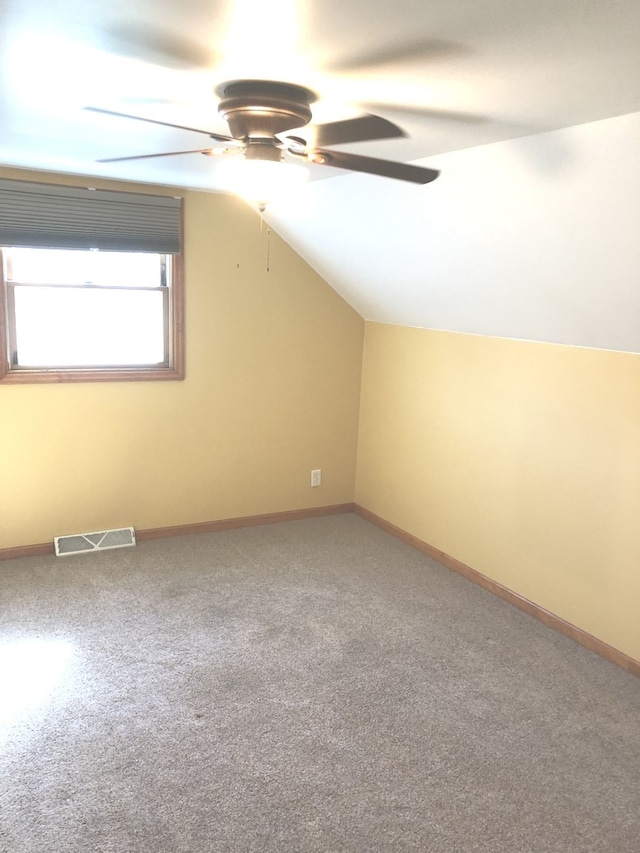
530	110
534	238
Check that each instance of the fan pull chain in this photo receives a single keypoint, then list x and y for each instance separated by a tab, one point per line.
268	238
268	248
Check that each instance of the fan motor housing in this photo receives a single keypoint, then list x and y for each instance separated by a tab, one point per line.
260	109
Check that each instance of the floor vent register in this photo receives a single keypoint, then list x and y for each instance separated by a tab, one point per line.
83	543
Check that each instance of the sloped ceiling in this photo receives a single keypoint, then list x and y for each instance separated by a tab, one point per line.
530	110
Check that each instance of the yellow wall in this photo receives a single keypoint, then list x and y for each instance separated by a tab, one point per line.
273	364
522	460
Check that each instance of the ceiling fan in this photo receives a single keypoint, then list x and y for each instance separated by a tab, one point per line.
261	115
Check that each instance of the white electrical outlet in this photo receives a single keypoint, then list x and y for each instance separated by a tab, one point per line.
316	477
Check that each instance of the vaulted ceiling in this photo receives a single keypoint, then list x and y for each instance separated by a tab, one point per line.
531	111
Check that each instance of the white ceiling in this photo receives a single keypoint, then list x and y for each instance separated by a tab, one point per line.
457	254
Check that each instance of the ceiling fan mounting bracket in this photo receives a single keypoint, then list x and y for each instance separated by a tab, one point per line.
260	109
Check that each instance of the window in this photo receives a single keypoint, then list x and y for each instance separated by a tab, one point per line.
89	292
86	310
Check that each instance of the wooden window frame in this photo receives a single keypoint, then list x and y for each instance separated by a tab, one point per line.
174	334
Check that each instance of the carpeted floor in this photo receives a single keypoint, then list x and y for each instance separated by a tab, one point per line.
308	686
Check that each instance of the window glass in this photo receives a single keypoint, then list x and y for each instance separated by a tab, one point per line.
86	327
62	266
114	314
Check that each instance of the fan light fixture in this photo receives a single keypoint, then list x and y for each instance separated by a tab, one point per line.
260	181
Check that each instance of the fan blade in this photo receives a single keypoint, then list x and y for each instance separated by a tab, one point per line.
159	47
409	111
359	129
419	50
218	136
208	151
372	166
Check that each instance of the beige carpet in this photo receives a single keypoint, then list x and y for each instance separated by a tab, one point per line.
309	686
